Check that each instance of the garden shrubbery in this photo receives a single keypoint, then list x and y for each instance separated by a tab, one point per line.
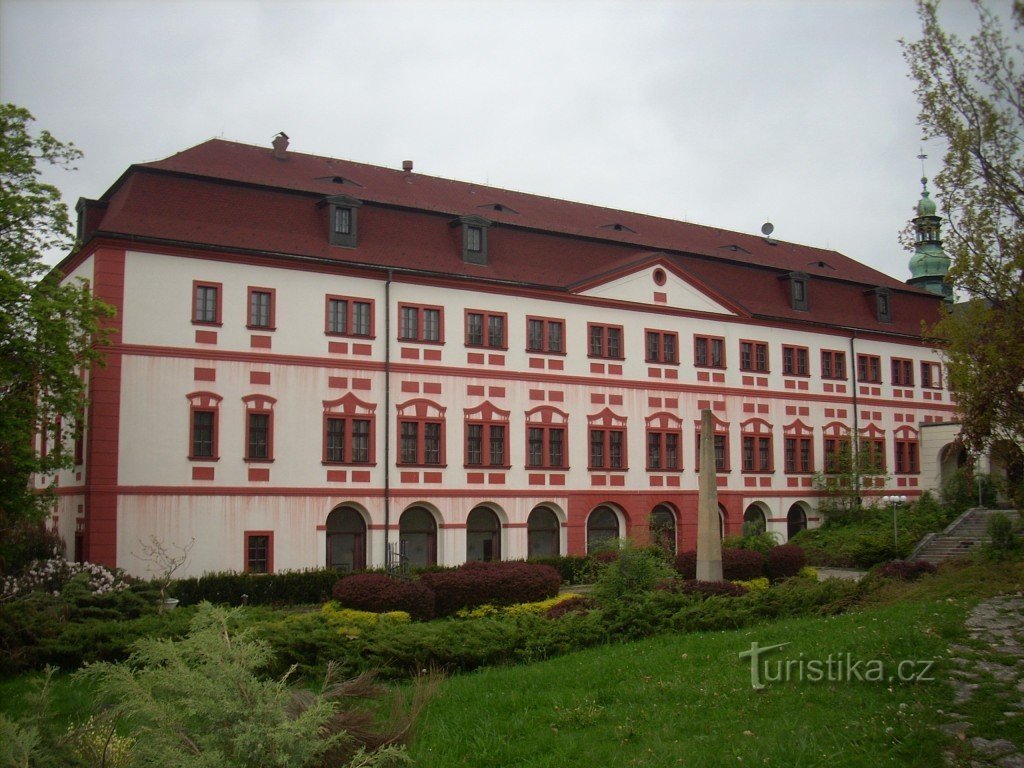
284	588
778	562
379	593
784	561
903	570
501	583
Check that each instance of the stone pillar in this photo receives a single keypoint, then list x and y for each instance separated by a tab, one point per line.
709	540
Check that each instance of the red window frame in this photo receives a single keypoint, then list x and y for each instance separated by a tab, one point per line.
421	414
547	420
218	309
757	446
907	453
490	420
599	341
271	324
872	454
660	337
902	372
796	360
721	438
485	332
710	345
350	302
546	323
799	454
204	402
661	427
869	369
751	355
420	335
831	359
259	405
269	536
933	378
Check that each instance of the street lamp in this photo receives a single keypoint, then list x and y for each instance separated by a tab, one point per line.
894	502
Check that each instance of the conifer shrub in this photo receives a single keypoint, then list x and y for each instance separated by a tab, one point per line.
382	594
784	561
574	569
705	588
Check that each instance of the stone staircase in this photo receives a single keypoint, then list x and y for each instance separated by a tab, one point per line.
959	538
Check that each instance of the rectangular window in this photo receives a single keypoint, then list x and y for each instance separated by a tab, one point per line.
421	442
757	453
709	351
474	239
872	455
906	457
795	361
754	356
798	455
931	375
663	450
485	329
837	455
662	347
202	434
360	441
261	308
259	555
833	364
410	442
545	447
349	317
335	440
417	323
343	221
497	445
485	445
721	453
869	369
902	372
605	341
606	449
206	303
545	335
258	437
347	441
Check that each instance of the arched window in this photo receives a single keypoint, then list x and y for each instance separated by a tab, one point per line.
417	536
796	521
754	522
204	413
346	540
483	535
602	527
663	528
421	433
542	533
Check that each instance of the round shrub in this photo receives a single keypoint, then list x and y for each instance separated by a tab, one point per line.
686	564
784	561
502	583
742	564
378	593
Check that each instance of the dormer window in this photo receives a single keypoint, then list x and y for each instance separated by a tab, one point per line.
798	290
474	238
883	305
344	220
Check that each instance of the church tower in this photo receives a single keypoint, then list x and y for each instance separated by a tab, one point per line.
929	264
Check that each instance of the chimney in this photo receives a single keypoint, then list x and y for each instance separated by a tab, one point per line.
280	145
407	166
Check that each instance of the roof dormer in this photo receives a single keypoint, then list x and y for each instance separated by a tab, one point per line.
883	303
799	290
344	220
474	238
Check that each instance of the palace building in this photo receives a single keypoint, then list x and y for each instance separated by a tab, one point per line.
317	362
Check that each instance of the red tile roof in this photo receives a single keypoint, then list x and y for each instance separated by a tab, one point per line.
240	196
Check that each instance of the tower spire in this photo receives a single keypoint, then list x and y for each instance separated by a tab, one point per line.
929	264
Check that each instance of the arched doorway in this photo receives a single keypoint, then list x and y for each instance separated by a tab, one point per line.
754	521
663	528
417	536
483	535
602	527
542	533
796	521
346	540
952	457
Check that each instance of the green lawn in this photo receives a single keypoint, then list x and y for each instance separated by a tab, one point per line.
688	700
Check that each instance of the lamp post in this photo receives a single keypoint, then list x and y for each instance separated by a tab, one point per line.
894	502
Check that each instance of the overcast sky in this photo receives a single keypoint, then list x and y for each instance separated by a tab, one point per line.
720	113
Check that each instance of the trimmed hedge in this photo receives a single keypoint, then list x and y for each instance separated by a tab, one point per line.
285	588
378	593
501	583
574	569
706	588
784	561
737	564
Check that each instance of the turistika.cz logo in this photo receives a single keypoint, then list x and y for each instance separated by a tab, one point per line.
834	668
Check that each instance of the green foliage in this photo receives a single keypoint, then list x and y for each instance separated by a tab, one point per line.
960	491
971	96
1003	543
574	569
843	486
283	588
204	701
757	541
634	571
48	331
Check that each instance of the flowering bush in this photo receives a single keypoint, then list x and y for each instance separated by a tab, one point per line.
52	576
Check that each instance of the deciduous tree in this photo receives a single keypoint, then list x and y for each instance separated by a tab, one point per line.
49	329
971	95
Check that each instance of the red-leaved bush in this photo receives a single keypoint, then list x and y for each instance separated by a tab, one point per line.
901	569
737	564
379	593
572	605
503	583
784	561
694	587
